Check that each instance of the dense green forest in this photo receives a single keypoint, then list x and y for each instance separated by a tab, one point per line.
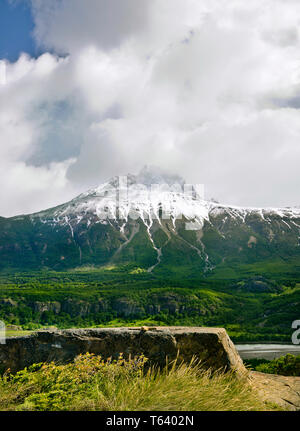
251	303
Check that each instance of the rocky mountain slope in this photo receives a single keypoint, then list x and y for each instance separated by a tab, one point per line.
155	222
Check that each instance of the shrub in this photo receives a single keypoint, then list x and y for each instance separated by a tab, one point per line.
90	383
288	365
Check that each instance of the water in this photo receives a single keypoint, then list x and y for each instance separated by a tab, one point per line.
266	351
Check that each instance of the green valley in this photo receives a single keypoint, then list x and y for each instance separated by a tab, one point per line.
252	307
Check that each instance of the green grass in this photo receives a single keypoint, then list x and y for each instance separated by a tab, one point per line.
288	365
89	383
17	333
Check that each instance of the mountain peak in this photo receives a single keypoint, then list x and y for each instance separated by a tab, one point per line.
155	175
148	175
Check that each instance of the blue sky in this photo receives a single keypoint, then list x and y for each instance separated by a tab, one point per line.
16	26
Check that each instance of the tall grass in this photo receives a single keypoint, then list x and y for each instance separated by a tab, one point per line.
90	383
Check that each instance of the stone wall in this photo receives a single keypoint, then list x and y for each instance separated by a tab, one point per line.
211	345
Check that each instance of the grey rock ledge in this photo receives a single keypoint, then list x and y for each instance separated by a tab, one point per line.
212	346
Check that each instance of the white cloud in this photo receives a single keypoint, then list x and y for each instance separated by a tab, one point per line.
70	25
209	90
27	189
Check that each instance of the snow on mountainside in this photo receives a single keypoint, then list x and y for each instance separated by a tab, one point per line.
153	197
153	221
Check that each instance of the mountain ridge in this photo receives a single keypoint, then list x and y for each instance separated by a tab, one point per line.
166	225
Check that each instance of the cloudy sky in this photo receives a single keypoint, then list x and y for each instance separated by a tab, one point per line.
206	89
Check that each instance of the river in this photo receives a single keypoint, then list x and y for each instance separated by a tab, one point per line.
266	351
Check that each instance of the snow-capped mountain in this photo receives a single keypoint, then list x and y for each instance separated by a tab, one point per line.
155	221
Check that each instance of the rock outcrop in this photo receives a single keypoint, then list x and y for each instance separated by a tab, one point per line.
280	390
170	303
211	346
